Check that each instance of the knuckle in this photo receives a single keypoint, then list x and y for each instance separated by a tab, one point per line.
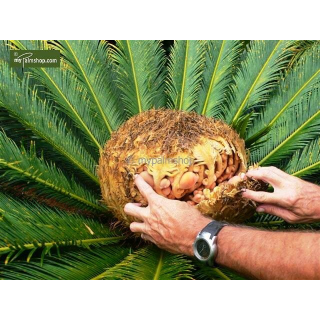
153	198
127	207
262	197
291	220
291	199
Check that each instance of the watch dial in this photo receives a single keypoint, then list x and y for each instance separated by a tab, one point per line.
203	248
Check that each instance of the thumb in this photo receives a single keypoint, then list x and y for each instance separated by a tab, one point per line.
277	211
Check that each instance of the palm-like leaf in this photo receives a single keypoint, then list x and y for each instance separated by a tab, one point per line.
299	125
139	66
78	265
38	116
221	58
96	75
69	94
305	76
185	69
29	227
268	91
257	76
19	166
205	272
150	264
306	163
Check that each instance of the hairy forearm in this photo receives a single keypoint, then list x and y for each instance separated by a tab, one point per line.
269	255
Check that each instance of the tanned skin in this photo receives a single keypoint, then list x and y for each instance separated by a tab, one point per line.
173	225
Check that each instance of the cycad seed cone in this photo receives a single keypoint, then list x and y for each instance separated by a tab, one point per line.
182	156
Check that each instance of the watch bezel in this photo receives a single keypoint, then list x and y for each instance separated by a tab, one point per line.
211	243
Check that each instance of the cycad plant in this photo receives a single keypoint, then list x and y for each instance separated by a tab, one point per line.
55	121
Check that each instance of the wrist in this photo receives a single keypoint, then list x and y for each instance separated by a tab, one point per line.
195	229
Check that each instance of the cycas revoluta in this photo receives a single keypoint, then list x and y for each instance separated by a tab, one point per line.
55	121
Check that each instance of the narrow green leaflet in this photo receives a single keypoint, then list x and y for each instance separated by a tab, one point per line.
88	60
19	166
150	263
298	126
186	66
26	226
37	115
204	272
141	74
305	76
78	265
257	76
306	163
221	58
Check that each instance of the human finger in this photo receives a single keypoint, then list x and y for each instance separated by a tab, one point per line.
138	227
136	211
147	237
265	174
283	213
260	196
144	188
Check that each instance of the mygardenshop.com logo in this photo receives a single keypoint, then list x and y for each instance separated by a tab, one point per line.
35	58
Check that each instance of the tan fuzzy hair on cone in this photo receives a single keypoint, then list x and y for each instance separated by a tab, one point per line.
183	156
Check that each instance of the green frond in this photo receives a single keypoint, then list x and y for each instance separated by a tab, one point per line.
26	226
304	77
37	115
19	166
302	47
185	68
306	163
257	76
150	263
261	219
4	51
141	74
77	265
220	60
66	91
204	272
298	125
88	60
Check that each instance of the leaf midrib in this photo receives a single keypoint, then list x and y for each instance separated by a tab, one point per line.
134	77
235	118
284	108
90	87
159	267
30	246
289	138
310	167
50	141
204	110
292	99
184	75
50	185
85	127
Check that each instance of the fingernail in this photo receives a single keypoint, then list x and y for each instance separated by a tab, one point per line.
260	209
135	176
243	190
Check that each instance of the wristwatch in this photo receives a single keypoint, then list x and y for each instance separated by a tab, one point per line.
205	246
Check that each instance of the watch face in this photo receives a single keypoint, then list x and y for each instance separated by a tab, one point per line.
203	248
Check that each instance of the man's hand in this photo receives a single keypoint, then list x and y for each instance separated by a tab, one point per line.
293	199
170	224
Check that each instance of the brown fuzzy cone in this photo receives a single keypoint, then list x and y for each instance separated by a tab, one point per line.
182	156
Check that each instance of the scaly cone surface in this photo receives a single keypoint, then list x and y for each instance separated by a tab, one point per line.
183	156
